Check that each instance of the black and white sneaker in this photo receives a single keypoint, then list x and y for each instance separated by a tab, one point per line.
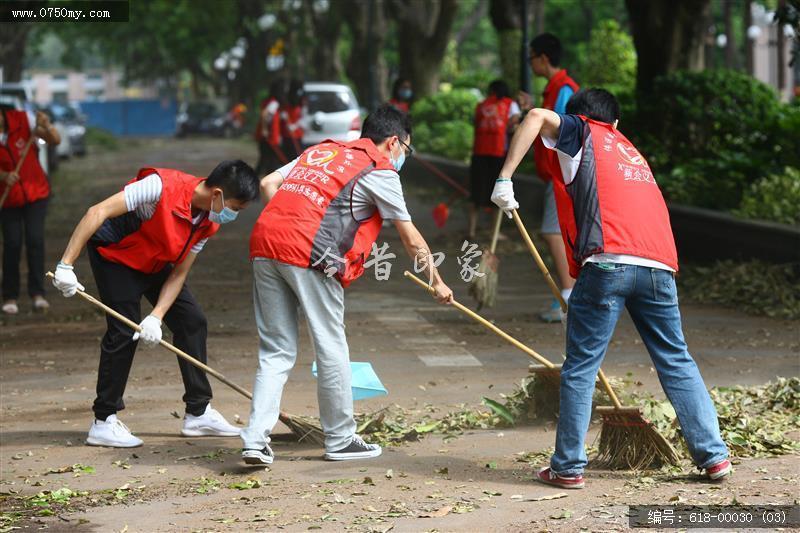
252	456
357	449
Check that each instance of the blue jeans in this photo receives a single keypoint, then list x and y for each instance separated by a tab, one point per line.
651	298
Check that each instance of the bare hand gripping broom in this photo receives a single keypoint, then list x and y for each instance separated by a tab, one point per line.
627	438
301	427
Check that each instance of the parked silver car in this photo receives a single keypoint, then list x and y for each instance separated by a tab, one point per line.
332	112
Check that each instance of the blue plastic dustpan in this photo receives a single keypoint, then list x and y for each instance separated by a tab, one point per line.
365	384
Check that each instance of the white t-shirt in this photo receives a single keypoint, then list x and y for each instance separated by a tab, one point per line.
143	195
380	189
569	148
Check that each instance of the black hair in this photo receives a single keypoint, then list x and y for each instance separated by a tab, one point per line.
277	90
500	89
396	87
237	180
597	104
385	122
549	45
295	96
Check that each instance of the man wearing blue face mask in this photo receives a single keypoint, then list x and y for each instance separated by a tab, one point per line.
142	242
323	215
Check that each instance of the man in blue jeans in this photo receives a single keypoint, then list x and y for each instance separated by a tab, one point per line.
621	250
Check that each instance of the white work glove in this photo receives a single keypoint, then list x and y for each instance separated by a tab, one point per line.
151	331
66	281
503	196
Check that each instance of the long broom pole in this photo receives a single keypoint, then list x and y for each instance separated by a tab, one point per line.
557	293
485	323
24	154
285	418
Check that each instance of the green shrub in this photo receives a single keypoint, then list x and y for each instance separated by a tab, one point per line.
776	198
609	59
755	287
443	123
708	135
100	138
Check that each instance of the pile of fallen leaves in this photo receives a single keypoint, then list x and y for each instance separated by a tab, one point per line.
754	421
755	287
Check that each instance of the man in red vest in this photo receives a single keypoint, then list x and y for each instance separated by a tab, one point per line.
268	129
623	254
324	212
291	115
495	120
142	243
26	194
545	59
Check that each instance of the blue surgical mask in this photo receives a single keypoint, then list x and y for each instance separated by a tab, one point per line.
405	94
398	163
225	215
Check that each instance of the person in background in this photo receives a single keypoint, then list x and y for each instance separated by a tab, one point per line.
495	120
290	119
622	252
25	207
324	212
142	242
402	94
545	59
268	130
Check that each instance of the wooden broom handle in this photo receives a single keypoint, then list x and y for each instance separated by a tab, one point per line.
23	155
485	323
535	253
177	351
557	293
496	230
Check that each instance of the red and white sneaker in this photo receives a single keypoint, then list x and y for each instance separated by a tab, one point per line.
718	471
547	476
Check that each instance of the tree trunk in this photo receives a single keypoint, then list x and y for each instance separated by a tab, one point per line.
365	54
730	45
748	43
424	30
326	25
12	49
471	23
669	35
507	22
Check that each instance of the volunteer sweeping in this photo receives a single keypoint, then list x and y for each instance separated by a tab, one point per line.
324	212
621	250
142	242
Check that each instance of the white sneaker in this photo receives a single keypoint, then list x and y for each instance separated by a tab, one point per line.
111	433
209	424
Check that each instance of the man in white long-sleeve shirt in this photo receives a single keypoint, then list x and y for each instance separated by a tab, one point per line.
142	242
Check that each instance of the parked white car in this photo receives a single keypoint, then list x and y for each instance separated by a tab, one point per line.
331	112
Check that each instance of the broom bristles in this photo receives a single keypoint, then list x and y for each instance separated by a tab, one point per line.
484	288
306	429
630	441
546	392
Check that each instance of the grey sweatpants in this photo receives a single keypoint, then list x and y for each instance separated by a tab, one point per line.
279	290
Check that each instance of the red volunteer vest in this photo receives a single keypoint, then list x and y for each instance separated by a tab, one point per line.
491	124
615	205
32	184
310	223
274	130
547	160
400	105
290	115
168	236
